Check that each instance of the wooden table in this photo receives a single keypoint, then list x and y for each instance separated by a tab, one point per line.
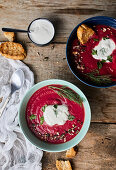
98	149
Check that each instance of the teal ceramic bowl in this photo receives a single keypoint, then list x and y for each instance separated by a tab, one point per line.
44	145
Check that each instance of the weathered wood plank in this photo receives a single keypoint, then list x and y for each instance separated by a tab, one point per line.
49	62
96	151
64	14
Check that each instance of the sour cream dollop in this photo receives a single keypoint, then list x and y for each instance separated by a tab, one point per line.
57	115
104	49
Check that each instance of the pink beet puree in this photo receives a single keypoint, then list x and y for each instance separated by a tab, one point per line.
82	54
57	133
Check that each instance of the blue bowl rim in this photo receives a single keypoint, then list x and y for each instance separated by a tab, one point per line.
87	120
97	17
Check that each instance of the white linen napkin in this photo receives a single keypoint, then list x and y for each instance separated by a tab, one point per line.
16	153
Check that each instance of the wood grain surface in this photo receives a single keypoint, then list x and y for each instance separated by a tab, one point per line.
97	150
65	14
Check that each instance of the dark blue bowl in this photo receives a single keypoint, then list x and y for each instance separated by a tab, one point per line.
99	20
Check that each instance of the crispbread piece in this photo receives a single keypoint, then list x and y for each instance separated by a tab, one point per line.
10	36
70	153
84	33
63	165
12	50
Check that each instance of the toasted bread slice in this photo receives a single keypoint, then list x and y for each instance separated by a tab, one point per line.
84	33
12	50
10	36
63	165
70	153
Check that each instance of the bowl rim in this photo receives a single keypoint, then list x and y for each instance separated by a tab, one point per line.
91	18
73	141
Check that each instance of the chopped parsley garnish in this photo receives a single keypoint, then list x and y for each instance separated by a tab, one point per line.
77	131
105	38
62	135
95	39
103	61
56	112
33	125
99	64
55	106
109	58
44	107
69	130
94	52
71	117
103	50
32	117
41	120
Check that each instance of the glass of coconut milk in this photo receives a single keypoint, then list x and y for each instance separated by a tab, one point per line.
41	31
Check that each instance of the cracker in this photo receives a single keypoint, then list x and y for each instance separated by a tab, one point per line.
84	33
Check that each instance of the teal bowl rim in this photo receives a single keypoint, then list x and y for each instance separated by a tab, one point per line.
44	145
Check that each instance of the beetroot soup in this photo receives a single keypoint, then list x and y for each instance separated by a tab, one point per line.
55	114
96	60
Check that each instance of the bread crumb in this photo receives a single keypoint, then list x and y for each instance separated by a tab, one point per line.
10	36
63	165
70	153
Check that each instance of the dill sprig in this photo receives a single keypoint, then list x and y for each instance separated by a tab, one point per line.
68	93
99	78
